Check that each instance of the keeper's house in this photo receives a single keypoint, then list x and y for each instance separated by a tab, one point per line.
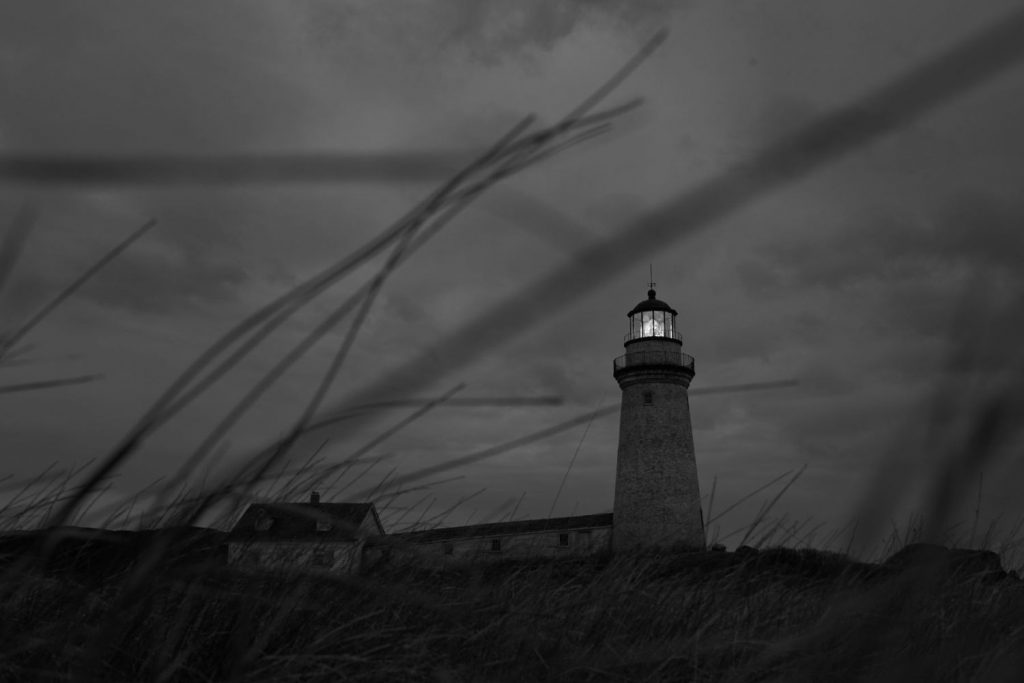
314	535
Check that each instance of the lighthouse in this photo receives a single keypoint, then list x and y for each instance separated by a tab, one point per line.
657	496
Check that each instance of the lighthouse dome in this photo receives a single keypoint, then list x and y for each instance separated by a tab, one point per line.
652	303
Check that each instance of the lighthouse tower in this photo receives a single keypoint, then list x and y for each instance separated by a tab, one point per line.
657	497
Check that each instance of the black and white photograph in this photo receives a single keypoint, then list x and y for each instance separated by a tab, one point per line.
511	340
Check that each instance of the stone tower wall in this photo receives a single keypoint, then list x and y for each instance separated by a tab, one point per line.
657	496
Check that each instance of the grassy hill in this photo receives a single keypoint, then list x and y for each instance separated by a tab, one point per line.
117	606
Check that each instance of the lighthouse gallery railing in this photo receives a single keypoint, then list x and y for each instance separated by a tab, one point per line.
675	358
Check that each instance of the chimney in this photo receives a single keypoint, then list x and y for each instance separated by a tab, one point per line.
314	498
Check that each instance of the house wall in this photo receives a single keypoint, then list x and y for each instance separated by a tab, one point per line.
368	527
582	542
344	556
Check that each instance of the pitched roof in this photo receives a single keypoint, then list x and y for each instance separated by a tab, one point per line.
525	526
299	521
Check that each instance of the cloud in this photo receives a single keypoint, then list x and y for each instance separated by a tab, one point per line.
167	277
176	266
489	31
911	265
494	29
150	76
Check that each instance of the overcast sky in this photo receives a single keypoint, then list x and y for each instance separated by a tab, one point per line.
848	281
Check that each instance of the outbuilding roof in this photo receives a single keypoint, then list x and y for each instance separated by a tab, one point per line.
304	521
527	526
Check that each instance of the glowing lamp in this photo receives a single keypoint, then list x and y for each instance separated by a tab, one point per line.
652	318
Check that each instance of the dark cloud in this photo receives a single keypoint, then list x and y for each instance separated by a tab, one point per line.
488	30
168	278
146	78
494	29
153	282
911	264
152	76
782	115
177	266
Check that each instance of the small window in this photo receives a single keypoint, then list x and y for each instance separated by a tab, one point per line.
648	398
563	539
323	558
263	522
496	545
322	525
449	548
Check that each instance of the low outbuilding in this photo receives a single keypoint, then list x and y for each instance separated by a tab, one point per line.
575	536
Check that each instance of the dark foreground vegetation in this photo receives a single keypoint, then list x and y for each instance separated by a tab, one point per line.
140	609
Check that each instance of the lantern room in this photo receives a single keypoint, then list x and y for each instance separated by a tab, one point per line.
652	319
